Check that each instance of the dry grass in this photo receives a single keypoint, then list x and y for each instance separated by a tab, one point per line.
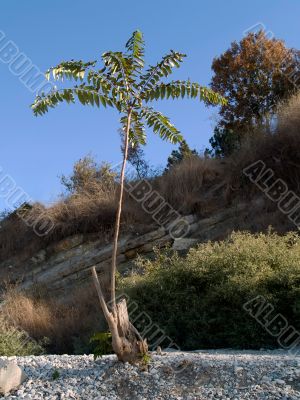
83	212
289	117
64	325
279	149
15	342
186	185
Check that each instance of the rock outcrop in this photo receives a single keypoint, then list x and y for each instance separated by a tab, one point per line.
67	264
11	376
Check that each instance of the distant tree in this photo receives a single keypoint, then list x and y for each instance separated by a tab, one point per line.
88	176
254	75
223	142
182	153
124	85
136	157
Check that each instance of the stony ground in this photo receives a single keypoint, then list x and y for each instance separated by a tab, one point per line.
190	376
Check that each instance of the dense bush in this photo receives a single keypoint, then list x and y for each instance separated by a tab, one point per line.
198	300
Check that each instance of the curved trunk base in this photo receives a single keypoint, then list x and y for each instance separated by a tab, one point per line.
127	343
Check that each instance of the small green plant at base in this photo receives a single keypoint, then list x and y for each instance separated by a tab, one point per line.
102	342
55	375
146	359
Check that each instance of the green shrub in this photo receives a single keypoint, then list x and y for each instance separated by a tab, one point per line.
198	300
15	342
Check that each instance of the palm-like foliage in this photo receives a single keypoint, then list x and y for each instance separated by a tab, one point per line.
123	85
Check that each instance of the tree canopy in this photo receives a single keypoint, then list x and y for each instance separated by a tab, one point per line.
254	75
123	84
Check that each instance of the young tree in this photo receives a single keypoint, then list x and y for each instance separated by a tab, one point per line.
182	153
121	84
254	75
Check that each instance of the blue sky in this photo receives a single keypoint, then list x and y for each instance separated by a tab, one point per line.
35	151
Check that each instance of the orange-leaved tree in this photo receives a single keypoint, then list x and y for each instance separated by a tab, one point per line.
254	75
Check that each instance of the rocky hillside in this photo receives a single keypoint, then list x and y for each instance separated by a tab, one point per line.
215	195
66	264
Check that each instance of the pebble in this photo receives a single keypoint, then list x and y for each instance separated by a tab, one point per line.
223	374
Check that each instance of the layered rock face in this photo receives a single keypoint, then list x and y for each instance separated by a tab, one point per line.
66	264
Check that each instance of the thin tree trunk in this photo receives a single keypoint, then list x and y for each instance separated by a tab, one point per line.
118	219
127	343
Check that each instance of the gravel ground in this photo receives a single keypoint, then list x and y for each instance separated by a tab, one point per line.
190	376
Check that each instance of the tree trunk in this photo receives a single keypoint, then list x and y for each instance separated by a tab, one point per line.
127	343
129	346
118	219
